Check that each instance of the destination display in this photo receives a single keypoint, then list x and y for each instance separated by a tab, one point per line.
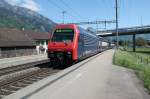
64	30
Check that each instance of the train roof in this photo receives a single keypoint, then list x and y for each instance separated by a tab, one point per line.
66	26
75	26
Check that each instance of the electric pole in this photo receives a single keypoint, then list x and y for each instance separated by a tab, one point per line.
63	15
117	42
141	21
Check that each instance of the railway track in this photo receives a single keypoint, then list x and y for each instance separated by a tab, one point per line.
23	76
12	69
20	77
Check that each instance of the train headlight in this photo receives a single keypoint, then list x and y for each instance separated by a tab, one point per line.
51	52
69	53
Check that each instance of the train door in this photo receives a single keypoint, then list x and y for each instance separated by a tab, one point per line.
80	46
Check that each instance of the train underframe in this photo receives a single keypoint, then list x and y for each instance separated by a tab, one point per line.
63	59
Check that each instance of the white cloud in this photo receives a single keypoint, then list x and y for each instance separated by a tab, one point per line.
30	4
13	2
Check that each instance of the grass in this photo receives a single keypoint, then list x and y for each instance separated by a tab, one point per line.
142	50
131	60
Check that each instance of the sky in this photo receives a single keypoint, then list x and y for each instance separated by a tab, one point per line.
131	12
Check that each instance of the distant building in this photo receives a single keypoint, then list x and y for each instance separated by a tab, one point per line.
41	40
14	43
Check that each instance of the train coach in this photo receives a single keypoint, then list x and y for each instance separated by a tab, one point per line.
104	44
70	43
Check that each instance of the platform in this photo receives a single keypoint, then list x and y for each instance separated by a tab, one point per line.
8	62
94	78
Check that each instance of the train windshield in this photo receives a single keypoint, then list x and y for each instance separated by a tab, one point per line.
63	35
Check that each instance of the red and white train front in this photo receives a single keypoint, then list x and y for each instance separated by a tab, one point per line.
63	44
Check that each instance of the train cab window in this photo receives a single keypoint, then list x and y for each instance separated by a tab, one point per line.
63	35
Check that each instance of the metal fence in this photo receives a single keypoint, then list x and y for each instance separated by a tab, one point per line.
144	59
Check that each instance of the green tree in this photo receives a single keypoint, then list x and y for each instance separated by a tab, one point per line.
140	41
122	43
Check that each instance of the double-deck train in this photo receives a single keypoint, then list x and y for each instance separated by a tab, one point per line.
70	43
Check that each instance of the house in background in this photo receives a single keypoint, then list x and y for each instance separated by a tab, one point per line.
41	39
14	43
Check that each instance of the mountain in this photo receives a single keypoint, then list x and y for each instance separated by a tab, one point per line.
12	16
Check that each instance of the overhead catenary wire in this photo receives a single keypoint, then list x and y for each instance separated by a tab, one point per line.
70	8
62	9
64	6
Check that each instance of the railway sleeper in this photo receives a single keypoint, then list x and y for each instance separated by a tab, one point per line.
42	76
33	79
14	87
27	82
39	78
21	84
8	90
36	78
2	96
5	92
